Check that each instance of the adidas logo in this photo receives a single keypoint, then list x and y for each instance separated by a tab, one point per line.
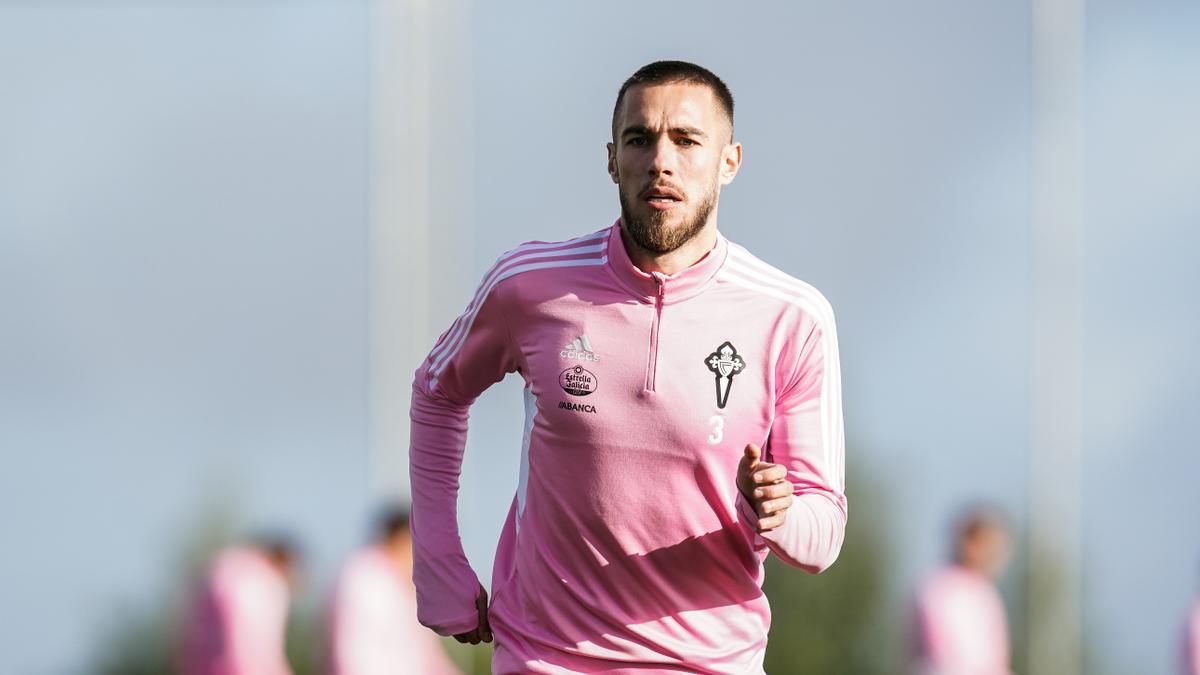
579	349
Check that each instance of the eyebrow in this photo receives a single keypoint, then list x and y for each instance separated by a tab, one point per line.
677	131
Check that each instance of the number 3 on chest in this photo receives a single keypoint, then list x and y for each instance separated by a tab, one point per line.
718	429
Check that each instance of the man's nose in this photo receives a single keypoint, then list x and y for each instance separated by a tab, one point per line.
663	162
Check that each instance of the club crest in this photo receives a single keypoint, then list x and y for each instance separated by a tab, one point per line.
724	364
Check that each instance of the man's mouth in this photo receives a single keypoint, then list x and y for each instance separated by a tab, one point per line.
662	197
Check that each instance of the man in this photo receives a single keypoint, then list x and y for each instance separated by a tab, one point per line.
373	617
238	617
683	419
961	624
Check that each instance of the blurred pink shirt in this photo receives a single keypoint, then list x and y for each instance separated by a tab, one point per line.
239	618
373	622
1192	641
962	628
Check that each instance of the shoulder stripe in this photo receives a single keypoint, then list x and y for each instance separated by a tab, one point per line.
544	249
541	249
810	300
468	318
743	254
598	235
494	276
517	255
745	261
802	295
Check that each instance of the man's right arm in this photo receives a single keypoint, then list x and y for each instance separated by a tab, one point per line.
476	352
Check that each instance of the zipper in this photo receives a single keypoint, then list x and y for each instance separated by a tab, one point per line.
652	361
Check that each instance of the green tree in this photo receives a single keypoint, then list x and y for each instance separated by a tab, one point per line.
838	621
472	659
141	640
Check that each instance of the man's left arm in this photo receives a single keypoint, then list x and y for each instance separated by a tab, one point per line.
795	495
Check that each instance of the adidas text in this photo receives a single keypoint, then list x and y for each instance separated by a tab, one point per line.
579	349
580	356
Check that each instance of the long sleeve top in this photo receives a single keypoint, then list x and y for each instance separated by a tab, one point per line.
628	546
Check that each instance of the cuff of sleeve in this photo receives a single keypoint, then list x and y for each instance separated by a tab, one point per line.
468	623
746	511
748	517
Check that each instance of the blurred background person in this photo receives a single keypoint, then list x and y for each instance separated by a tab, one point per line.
373	617
961	625
237	619
1191	640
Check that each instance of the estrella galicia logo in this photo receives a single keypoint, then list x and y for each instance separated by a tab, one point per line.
724	364
577	381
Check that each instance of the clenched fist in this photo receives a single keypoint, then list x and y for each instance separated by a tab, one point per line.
766	487
483	631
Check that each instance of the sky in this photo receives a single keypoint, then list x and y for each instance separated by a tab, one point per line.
184	288
184	233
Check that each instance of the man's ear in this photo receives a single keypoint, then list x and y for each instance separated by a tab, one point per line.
731	161
612	163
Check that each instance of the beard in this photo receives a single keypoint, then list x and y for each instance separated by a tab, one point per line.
654	235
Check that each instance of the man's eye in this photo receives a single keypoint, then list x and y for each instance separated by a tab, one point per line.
685	141
637	140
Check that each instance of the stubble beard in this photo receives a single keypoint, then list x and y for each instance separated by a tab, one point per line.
654	235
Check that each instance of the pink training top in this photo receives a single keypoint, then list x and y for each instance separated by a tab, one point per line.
239	618
962	629
373	622
628	546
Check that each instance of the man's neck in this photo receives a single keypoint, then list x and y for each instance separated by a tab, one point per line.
681	258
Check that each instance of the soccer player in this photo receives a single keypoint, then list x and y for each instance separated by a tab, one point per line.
961	624
373	618
682	420
238	617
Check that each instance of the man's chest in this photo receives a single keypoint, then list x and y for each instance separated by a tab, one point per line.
683	375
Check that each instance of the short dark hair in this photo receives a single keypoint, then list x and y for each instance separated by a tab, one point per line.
668	72
391	521
280	547
975	519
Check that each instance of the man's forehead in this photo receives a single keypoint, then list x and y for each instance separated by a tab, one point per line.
674	102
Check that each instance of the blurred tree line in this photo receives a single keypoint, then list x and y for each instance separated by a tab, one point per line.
831	623
844	621
840	621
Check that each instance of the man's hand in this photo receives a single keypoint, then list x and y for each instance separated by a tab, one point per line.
766	487
483	631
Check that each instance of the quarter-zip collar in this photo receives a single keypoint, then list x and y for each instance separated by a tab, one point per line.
686	283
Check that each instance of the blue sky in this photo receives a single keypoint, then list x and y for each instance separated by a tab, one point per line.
184	283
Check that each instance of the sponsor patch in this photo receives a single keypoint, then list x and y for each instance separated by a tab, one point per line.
577	381
577	407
